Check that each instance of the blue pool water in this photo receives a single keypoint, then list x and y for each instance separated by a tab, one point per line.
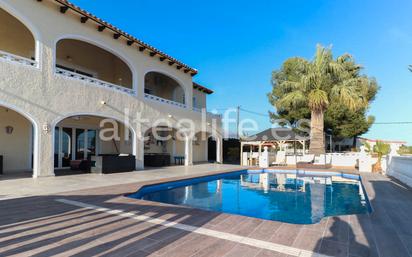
297	197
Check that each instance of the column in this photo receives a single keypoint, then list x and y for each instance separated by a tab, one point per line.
188	151
43	152
219	150
138	147
206	149
172	157
60	150
241	153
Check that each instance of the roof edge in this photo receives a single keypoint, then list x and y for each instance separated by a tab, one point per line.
142	45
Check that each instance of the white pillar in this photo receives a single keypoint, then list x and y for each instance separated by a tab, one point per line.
304	147
85	144
188	151
138	148
43	152
73	146
219	150
173	155
206	147
241	153
60	148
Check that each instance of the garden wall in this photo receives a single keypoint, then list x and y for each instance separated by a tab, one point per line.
400	167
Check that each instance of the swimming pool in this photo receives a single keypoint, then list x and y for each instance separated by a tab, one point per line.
299	197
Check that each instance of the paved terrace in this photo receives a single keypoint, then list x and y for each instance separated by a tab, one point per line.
101	221
24	185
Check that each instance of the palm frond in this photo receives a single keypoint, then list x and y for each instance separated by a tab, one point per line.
318	99
292	100
350	93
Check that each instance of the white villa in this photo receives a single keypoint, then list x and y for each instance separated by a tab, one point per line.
63	70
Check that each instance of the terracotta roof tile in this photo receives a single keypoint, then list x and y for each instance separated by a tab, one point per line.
202	88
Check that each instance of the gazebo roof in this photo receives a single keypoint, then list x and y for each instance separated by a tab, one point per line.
274	134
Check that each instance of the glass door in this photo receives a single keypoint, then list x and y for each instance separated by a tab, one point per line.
80	144
91	143
66	141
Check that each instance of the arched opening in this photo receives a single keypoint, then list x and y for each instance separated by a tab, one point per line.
165	87
85	60
87	143
16	39
16	144
163	146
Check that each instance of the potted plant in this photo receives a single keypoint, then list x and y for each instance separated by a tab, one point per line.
380	149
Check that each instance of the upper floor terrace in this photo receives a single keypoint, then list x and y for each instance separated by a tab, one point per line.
82	48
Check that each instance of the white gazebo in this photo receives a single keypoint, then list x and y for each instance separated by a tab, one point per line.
277	142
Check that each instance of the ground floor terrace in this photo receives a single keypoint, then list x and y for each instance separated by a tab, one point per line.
89	220
96	143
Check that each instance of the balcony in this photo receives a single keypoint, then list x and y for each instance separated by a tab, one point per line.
17	44
162	88
94	65
94	81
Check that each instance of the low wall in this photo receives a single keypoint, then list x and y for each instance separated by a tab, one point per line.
400	167
336	159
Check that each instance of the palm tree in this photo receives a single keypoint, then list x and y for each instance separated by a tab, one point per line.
317	83
381	149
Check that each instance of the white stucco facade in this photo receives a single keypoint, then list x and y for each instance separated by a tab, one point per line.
45	98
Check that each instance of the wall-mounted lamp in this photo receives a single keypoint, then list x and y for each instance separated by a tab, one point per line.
9	130
170	116
103	102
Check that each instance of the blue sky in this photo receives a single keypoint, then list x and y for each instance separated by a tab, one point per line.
236	45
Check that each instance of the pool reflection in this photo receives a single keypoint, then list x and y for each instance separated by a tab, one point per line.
287	197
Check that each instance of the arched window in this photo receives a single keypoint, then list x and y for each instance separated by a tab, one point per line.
164	86
92	61
16	38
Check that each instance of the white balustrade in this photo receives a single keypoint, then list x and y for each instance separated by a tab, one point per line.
165	101
17	59
93	81
197	109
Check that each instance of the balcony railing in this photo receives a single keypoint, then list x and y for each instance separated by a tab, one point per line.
209	114
165	101
197	109
93	81
17	59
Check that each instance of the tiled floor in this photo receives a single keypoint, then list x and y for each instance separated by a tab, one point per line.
100	221
18	185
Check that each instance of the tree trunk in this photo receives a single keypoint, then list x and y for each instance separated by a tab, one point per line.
377	167
317	136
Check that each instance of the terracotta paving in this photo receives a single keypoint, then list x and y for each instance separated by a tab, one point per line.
110	224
